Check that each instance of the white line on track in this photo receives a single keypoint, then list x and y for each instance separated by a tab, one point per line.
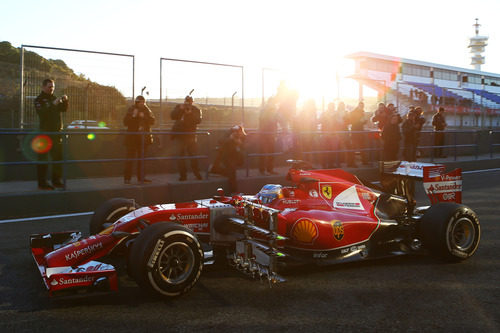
37	218
479	171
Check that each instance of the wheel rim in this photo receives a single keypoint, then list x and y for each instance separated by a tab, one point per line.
176	263
463	234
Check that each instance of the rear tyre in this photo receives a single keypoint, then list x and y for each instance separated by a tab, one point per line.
451	231
166	259
109	212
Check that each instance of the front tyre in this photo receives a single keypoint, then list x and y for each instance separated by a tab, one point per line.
451	231
109	212
166	259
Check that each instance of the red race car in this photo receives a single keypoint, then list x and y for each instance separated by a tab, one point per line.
326	217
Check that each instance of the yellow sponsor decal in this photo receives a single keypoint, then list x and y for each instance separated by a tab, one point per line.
326	190
338	229
305	231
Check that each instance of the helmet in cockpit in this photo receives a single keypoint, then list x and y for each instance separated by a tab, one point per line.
269	193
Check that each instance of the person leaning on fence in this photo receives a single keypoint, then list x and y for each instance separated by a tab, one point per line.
356	118
341	125
187	117
305	128
439	124
49	109
329	122
391	136
380	116
268	128
139	118
410	129
230	156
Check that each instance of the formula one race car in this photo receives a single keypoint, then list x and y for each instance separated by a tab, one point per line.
326	217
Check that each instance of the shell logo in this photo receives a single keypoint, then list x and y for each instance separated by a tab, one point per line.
304	231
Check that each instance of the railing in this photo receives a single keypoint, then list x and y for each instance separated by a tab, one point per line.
344	146
374	148
64	135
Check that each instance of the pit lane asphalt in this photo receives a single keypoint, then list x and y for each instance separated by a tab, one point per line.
402	294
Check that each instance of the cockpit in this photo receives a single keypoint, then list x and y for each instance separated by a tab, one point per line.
269	193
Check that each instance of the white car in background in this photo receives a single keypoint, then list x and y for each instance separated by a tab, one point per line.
87	125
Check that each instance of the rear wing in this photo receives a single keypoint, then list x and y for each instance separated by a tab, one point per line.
398	177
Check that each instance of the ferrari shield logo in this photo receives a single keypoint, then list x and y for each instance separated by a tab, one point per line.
326	191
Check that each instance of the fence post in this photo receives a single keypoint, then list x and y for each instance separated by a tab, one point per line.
208	145
142	164
433	143
477	144
65	158
455	144
491	143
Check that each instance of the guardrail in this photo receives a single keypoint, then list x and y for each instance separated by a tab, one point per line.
343	149
374	147
65	160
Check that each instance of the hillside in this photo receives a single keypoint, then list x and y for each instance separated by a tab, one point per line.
89	100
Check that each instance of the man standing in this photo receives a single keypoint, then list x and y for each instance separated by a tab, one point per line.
356	118
391	136
410	130
439	124
330	124
187	117
139	118
230	156
49	109
268	127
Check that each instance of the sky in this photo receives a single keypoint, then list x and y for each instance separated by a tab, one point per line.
304	42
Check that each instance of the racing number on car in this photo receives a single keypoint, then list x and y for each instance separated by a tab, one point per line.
326	190
338	229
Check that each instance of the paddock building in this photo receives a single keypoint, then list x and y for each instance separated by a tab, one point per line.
471	98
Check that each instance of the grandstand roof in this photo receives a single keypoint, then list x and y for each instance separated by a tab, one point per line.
418	62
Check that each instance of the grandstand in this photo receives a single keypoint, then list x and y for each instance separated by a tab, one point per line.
471	97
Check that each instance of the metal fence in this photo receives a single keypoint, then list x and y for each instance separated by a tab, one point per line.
197	77
465	107
469	144
98	84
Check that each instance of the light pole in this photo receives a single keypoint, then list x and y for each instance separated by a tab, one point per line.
232	106
385	88
262	75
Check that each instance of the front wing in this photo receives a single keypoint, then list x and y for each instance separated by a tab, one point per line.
92	276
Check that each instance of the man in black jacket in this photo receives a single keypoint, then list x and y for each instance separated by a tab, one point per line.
230	156
410	136
187	117
268	127
139	118
439	124
49	109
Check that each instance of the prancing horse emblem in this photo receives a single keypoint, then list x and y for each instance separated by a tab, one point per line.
326	190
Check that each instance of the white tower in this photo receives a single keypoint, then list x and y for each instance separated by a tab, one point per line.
477	44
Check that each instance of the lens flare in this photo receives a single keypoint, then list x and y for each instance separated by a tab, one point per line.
91	136
41	144
101	124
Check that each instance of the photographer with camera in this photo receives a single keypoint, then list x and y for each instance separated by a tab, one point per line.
139	118
187	117
411	133
230	156
439	124
49	109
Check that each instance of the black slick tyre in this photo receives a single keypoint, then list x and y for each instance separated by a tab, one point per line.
109	212
450	231
166	259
